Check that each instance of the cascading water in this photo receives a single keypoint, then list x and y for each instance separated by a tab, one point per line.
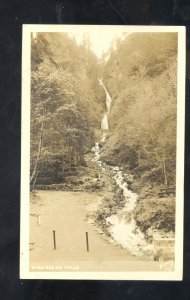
104	123
122	226
108	98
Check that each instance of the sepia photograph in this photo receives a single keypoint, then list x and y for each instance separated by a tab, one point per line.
103	112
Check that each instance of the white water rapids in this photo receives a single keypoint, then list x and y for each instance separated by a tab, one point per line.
122	226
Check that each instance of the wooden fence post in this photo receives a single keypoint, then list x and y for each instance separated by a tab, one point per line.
87	242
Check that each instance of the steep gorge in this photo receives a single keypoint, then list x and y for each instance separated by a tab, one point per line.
131	111
141	78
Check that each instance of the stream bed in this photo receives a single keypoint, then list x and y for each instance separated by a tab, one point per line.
122	226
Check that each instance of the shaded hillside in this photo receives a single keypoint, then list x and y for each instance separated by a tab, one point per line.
66	105
140	75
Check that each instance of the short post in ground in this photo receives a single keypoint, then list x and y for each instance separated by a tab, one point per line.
54	240
87	242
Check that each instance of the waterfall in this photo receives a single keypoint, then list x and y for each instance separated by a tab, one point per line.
121	225
104	123
108	101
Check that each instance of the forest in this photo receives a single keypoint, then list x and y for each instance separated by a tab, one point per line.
67	106
141	76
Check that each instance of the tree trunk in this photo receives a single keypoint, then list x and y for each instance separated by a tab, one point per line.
34	173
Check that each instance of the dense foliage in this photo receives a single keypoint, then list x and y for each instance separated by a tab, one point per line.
140	75
66	105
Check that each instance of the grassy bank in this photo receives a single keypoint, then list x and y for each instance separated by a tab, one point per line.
155	214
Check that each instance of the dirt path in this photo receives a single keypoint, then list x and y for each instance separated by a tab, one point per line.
66	213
